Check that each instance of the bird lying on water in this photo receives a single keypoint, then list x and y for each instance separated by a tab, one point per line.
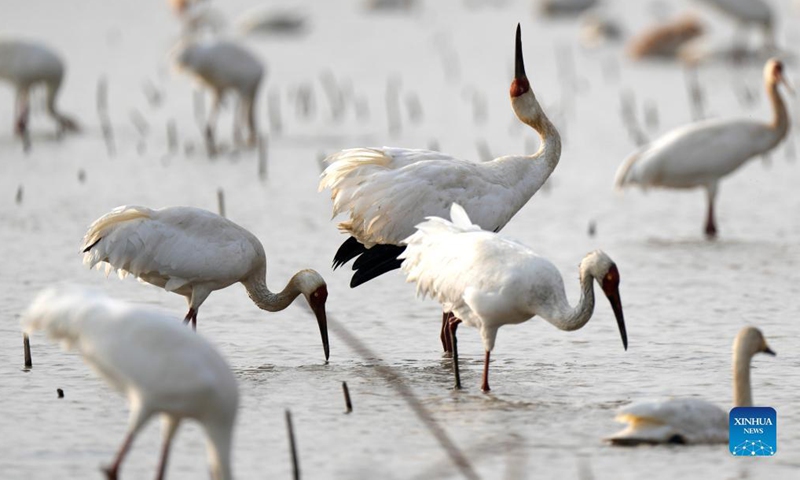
386	191
487	280
691	420
159	366
193	252
701	154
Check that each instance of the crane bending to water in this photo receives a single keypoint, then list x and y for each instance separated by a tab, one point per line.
162	368
487	280
192	252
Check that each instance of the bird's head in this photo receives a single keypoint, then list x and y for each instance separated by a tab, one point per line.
523	101
750	341
774	74
313	287
605	272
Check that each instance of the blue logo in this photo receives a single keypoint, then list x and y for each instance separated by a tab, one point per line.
753	431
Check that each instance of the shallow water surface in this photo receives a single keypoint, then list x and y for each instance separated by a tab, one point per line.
554	393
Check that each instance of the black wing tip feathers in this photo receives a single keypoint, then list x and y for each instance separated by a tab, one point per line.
92	245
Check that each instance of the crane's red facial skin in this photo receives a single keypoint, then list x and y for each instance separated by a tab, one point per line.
317	302
519	86
611	289
777	71
611	281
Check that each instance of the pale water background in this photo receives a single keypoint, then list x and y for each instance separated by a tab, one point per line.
554	393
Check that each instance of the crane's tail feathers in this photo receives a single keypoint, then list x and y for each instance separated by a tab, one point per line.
95	252
350	249
111	219
350	165
375	262
62	313
624	172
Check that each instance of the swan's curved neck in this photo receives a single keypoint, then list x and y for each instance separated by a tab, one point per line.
742	393
780	117
257	290
573	318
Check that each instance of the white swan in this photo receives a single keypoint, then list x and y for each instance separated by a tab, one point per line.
691	420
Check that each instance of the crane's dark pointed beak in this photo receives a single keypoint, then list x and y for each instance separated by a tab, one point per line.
612	293
769	351
519	62
317	305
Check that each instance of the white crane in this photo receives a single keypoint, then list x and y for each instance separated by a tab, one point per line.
224	66
749	12
386	191
160	367
701	154
487	280
26	65
691	420
192	252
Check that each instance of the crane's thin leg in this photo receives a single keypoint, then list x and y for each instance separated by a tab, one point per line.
23	112
191	316
251	120
444	336
485	386
170	425
453	324
711	227
212	121
238	123
111	472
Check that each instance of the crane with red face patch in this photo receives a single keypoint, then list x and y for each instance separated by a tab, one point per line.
386	191
701	154
192	252
487	280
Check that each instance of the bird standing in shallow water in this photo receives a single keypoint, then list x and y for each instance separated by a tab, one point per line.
27	64
224	66
487	280
701	154
193	252
388	191
162	368
691	420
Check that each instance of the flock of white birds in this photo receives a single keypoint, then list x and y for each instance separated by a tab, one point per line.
434	216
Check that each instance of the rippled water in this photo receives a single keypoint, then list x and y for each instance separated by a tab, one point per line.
554	392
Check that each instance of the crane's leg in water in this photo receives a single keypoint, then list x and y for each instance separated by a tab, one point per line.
191	316
138	419
453	325
23	112
444	336
711	226
249	113
170	425
485	386
212	121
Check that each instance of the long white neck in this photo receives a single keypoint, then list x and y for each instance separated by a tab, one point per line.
742	392
780	117
568	318
527	173
261	295
219	450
